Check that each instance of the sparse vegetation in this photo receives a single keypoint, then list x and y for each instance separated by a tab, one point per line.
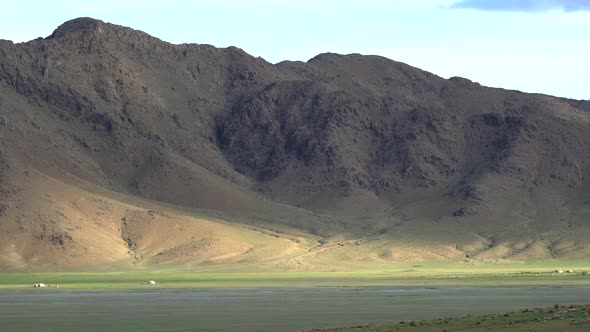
559	318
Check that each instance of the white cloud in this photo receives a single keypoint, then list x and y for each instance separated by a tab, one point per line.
524	5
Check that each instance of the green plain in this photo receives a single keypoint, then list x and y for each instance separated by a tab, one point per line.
283	301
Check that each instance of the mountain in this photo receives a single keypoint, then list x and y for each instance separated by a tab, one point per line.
118	149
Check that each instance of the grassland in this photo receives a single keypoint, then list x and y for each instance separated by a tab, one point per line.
434	274
293	301
265	309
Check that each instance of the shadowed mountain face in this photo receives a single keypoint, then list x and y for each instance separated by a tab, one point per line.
102	124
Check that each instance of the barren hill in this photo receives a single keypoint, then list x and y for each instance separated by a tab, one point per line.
119	149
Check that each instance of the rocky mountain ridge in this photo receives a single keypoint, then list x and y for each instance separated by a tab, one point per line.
341	146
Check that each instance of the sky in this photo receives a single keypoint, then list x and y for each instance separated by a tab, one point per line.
536	46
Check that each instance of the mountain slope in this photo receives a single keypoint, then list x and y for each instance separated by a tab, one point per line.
378	161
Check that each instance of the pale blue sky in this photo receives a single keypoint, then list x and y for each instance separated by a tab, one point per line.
529	45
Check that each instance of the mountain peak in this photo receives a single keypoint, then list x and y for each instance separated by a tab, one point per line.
77	24
129	137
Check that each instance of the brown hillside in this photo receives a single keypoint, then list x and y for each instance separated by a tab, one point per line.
119	149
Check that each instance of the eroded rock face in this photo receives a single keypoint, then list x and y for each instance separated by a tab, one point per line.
349	122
